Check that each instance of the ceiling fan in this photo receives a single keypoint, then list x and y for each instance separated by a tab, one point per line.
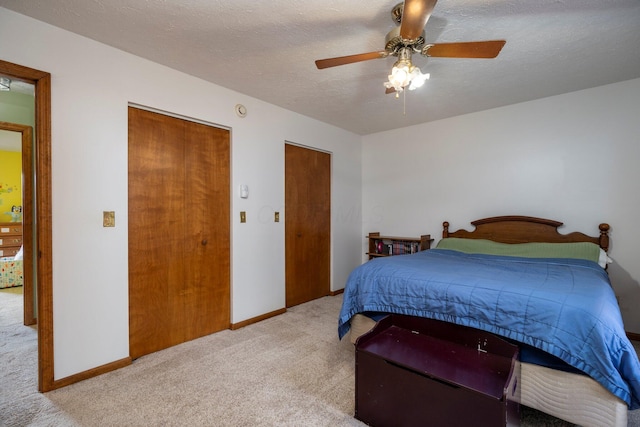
408	38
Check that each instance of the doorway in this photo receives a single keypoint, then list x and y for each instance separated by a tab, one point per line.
25	134
307	224
41	210
179	231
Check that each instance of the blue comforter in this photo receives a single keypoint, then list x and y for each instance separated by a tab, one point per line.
565	307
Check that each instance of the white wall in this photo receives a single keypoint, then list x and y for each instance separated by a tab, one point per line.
573	158
92	84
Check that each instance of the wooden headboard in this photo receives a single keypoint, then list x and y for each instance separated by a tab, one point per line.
523	229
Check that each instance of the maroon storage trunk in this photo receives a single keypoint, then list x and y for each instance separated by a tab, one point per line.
412	371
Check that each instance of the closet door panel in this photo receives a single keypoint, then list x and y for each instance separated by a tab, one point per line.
156	179
207	224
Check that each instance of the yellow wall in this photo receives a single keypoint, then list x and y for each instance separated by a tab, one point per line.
10	183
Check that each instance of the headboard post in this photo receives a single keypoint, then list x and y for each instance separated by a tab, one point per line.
445	230
604	236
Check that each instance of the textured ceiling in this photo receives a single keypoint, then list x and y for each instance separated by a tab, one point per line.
267	50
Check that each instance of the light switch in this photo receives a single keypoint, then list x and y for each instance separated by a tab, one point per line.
276	217
243	216
244	191
108	219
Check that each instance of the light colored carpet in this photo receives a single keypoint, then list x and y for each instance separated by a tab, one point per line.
289	370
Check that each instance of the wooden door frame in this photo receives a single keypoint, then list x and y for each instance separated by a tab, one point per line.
26	135
42	215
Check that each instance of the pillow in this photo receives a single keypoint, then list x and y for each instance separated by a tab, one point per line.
579	250
19	255
604	259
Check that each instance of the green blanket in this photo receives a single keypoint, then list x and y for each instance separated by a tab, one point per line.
579	250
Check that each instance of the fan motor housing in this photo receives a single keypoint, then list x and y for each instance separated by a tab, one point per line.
394	42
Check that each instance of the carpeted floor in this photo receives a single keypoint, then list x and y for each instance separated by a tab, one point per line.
289	370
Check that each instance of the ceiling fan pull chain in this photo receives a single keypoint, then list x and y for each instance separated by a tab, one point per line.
404	102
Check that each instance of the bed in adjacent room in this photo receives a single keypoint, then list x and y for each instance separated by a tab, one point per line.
11	271
519	278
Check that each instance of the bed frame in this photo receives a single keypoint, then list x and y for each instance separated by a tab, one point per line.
572	397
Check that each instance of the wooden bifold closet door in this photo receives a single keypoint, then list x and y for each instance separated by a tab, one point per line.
307	224
179	231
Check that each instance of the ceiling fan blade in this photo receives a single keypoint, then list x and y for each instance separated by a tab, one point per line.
349	59
485	49
389	90
415	15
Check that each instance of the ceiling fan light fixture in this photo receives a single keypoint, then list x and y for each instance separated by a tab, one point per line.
418	78
5	84
404	74
401	74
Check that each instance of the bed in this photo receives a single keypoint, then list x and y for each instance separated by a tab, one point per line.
519	278
11	271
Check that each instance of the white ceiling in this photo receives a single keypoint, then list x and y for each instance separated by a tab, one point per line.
267	50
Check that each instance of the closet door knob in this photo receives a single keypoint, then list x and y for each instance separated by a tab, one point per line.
204	242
